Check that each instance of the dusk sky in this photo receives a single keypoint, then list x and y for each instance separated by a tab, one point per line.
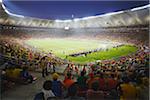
65	9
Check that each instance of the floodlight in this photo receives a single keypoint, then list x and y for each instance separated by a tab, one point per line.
76	19
66	28
67	20
57	20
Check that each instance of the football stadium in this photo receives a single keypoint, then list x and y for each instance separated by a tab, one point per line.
74	50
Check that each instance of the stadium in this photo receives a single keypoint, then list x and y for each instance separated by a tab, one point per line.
71	56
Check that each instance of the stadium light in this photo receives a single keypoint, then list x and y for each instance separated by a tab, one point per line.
57	20
67	20
0	1
76	19
9	13
66	28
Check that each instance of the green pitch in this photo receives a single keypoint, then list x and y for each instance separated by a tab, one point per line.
63	47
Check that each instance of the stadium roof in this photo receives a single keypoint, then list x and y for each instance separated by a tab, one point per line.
68	9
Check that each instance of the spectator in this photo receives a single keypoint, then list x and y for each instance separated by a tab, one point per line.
72	93
44	67
102	84
26	75
57	85
91	80
111	82
128	90
68	80
47	90
81	80
143	89
94	93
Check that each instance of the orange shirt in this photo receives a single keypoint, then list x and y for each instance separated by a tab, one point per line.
68	82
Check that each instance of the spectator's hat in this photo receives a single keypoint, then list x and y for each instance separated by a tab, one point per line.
55	76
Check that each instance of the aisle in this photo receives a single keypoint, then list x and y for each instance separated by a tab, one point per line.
26	92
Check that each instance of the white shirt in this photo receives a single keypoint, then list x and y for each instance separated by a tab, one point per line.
48	93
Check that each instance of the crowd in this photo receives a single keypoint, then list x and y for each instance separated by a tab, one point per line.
126	78
16	62
96	86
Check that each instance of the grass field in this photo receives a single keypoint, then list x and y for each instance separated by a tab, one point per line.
63	47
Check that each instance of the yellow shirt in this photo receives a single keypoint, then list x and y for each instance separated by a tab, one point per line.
16	73
129	92
9	72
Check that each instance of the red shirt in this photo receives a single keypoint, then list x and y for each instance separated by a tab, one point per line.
111	83
102	84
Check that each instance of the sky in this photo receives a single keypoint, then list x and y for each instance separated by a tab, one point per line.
65	9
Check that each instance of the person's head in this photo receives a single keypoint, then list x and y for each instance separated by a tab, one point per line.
101	75
82	73
69	75
72	90
95	86
25	68
145	81
47	85
126	79
112	76
55	76
91	75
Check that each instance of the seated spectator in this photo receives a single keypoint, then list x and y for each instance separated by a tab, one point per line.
143	89
47	90
68	80
57	85
26	75
94	93
72	93
46	93
16	72
128	90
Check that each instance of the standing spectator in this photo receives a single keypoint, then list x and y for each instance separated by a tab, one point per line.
111	82
81	80
91	80
102	83
44	67
68	80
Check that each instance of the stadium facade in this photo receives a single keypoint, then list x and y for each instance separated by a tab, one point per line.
131	17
